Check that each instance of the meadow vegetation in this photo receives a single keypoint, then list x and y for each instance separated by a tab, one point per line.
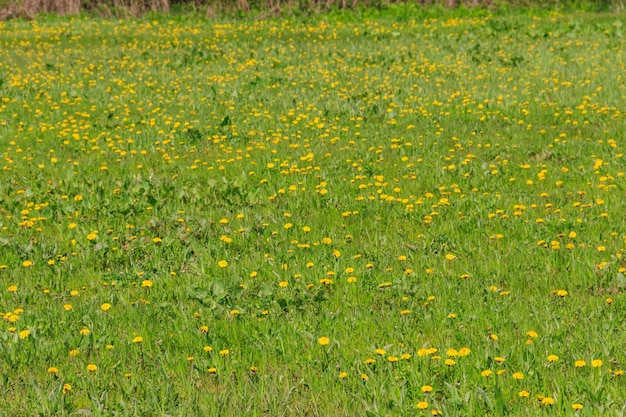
335	216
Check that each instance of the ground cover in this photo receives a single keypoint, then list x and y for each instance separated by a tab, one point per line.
335	216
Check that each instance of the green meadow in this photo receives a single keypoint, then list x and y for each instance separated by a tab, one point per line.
397	213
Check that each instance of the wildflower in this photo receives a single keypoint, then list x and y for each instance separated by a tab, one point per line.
596	363
450	256
146	283
381	352
138	339
464	351
66	388
523	394
392	359
486	373
577	406
12	288
283	284
364	377
450	362
92	368
426	389
370	361
84	332
405	356
24	334
67	307
53	370
343	375
580	364
532	334
27	263
422	405
518	375
547	401
224	352
105	307
499	359
208	349
323	340
222	264
553	358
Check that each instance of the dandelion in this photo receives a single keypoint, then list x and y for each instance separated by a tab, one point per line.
547	401
24	334
427	389
67	307
66	388
450	362
84	332
92	368
212	370
138	339
553	358
450	256
27	263
283	284
53	370
381	352
518	375
596	363
105	307
12	288
392	358
580	364
146	283
224	352
323	341
486	373
222	264
577	407
343	375
208	349
422	405
523	394
364	377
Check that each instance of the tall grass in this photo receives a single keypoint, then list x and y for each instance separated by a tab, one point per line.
264	8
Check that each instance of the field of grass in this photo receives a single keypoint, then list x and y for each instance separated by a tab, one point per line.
341	216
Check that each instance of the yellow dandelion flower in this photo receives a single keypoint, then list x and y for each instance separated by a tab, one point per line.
222	264
596	363
523	394
12	288
24	334
27	263
53	370
577	406
92	368
422	405
553	358
518	375
323	340
486	373
105	307
343	375
138	339
426	389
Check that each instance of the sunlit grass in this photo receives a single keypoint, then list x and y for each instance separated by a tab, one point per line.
326	217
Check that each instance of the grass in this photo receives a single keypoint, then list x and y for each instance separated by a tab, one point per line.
335	216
